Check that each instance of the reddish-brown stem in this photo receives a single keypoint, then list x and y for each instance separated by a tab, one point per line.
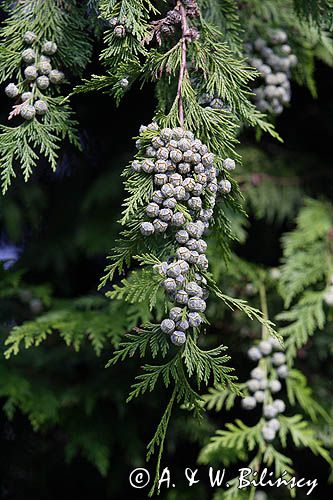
182	69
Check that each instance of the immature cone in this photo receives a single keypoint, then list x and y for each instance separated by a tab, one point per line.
224	186
265	347
278	358
119	31
259	396
11	90
274	424
44	67
275	386
168	326
55	76
253	385
49	48
268	433
26	96
29	37
40	107
249	403
279	405
254	354
270	411
30	73
28	112
124	83
282	371
178	338
29	56
147	228
43	82
229	164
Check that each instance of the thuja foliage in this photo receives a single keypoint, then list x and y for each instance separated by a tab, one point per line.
65	25
52	398
264	443
205	60
306	275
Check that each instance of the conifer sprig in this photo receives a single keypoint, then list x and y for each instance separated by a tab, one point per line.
36	23
188	59
242	441
306	275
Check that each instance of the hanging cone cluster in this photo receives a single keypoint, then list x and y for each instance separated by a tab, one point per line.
186	185
262	386
38	75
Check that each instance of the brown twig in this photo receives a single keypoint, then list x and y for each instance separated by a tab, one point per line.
183	67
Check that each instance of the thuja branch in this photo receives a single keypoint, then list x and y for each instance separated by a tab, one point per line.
35	41
174	184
